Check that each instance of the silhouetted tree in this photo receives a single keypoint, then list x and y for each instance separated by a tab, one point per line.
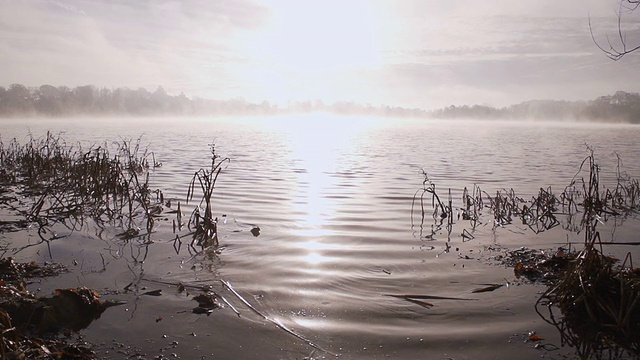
3	101
621	106
67	98
159	100
18	100
85	97
104	100
48	100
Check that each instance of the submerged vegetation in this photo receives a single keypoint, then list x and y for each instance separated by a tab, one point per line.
49	185
592	299
55	188
54	183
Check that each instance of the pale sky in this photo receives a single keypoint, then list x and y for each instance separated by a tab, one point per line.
411	53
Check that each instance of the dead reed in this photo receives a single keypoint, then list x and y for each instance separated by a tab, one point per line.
440	213
596	202
472	204
205	232
585	197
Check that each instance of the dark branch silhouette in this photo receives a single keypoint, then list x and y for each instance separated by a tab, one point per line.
616	50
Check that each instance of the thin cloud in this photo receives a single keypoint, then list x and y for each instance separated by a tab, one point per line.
412	53
67	7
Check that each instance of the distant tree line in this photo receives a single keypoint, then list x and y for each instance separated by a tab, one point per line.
46	100
619	107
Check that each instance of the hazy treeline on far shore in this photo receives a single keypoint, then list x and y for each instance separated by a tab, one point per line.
49	101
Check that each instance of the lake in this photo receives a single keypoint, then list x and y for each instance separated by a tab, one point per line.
332	197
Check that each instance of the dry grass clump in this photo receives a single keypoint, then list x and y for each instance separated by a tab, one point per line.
599	303
13	345
540	266
539	213
597	202
67	184
592	299
49	182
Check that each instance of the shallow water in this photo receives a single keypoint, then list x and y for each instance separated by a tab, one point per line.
333	198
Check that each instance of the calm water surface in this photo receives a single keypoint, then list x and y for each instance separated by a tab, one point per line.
332	197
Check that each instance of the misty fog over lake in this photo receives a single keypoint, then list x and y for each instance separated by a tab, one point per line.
279	179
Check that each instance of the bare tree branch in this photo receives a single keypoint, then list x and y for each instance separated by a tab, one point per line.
616	52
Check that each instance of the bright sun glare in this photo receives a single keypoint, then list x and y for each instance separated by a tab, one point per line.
310	50
322	36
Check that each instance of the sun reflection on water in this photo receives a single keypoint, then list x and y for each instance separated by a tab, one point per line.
316	251
321	146
314	258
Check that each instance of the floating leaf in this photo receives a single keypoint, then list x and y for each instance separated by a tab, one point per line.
255	231
534	337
